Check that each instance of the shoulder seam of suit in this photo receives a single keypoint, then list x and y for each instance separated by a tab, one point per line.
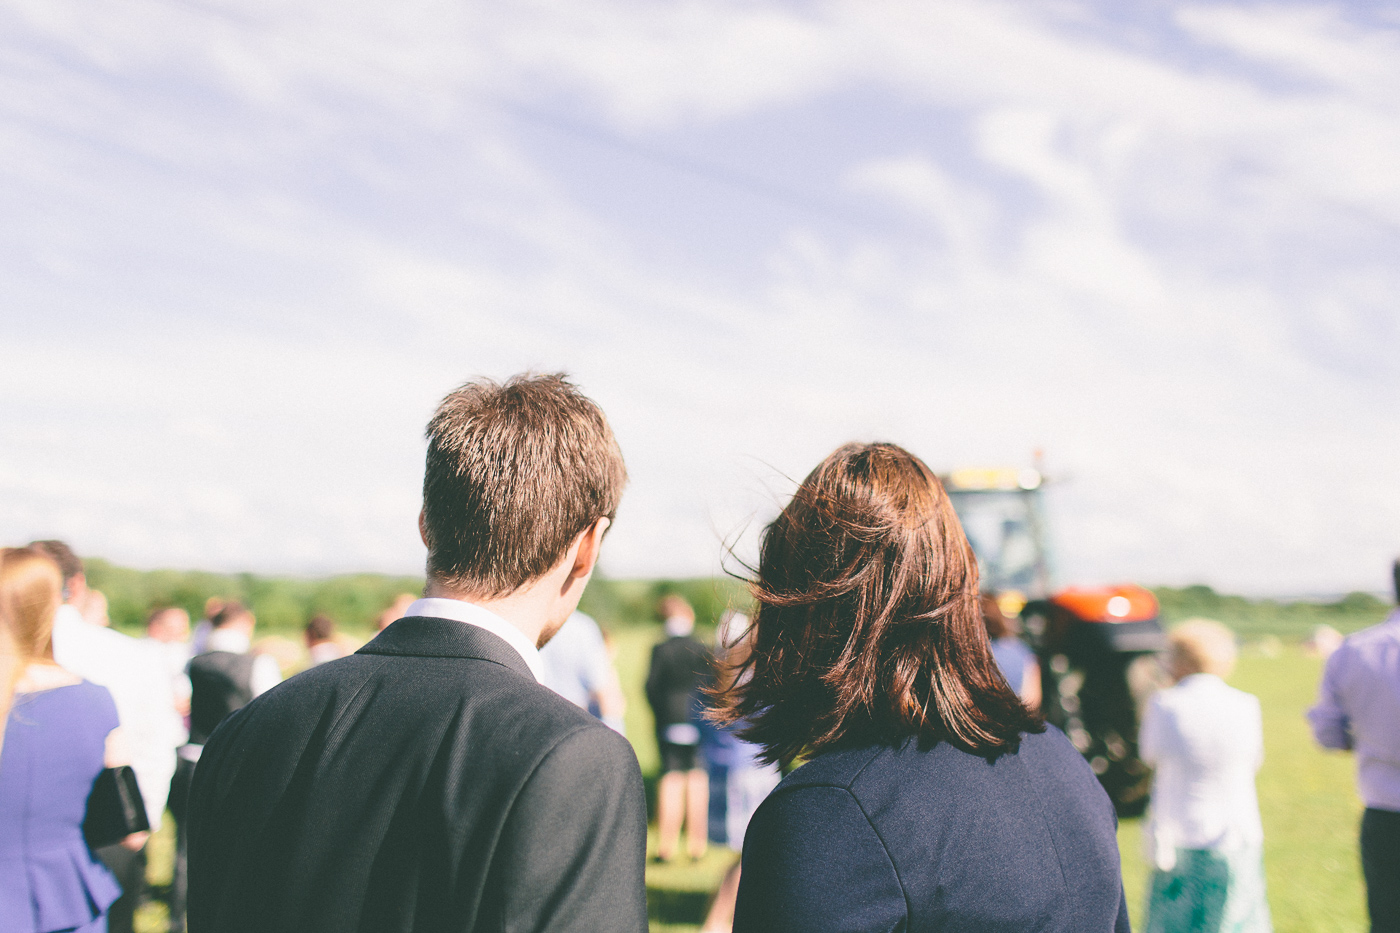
827	785
908	907
554	747
861	770
345	708
1049	832
846	785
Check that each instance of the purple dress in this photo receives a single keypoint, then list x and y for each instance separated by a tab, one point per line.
54	748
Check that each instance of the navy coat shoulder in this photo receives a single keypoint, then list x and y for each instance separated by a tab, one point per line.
909	838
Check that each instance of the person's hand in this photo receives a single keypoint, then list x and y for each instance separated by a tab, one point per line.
135	841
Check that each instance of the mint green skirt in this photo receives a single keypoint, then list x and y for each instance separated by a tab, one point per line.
1209	892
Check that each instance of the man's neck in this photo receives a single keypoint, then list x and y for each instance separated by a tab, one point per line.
525	609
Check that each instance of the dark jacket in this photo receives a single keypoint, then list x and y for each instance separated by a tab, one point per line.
426	783
680	665
917	840
220	683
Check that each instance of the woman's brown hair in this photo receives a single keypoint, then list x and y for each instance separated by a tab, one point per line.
868	626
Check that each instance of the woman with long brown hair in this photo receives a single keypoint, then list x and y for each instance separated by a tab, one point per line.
59	731
932	798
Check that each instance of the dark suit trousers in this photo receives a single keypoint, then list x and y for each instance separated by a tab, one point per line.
179	808
1380	862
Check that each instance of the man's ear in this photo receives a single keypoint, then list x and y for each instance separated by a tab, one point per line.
590	543
423	527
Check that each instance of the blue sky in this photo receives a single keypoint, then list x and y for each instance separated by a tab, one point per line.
245	247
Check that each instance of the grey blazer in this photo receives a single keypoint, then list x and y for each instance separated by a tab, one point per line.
426	783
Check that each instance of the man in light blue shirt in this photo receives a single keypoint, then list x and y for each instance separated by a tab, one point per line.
1358	709
578	667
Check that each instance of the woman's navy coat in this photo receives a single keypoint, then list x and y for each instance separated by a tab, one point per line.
920	839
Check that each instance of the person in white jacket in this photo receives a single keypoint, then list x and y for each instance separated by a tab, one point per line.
1205	739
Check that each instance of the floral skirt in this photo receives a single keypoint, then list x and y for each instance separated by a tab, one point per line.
1209	892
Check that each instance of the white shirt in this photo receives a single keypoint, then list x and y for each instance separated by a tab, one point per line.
137	678
1206	740
175	655
437	607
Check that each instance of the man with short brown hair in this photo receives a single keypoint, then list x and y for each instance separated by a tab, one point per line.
430	782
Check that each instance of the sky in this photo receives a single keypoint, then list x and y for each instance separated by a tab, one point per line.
245	248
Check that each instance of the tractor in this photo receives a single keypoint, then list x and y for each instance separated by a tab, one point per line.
1096	645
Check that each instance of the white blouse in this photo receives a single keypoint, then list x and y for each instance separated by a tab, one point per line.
1206	741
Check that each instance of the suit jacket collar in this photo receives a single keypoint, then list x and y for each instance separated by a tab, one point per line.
425	637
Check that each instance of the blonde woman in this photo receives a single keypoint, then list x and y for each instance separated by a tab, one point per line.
60	732
1205	740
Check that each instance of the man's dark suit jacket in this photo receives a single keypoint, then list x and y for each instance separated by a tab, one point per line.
426	783
916	840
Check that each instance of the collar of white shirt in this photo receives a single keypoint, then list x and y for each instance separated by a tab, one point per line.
437	607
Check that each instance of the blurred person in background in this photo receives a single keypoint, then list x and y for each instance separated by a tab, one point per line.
395	611
1358	709
739	778
94	609
1014	658
167	634
322	644
58	732
146	705
223	679
199	638
931	798
680	666
580	669
1203	835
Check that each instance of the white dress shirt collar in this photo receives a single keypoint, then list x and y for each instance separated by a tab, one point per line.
437	607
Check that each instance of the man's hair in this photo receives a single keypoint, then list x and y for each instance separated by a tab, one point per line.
231	612
673	604
869	627
320	628
514	473
69	564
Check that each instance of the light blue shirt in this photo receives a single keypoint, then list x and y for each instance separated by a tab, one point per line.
577	666
1012	655
1358	707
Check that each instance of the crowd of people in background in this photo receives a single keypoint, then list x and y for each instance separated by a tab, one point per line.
933	790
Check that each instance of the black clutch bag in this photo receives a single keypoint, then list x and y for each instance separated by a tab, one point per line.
115	809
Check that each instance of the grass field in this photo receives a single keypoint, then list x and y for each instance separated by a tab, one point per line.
1309	807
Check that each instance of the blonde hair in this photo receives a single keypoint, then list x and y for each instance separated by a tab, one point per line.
31	589
1201	646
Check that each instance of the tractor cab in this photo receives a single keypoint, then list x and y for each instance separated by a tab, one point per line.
1094	644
